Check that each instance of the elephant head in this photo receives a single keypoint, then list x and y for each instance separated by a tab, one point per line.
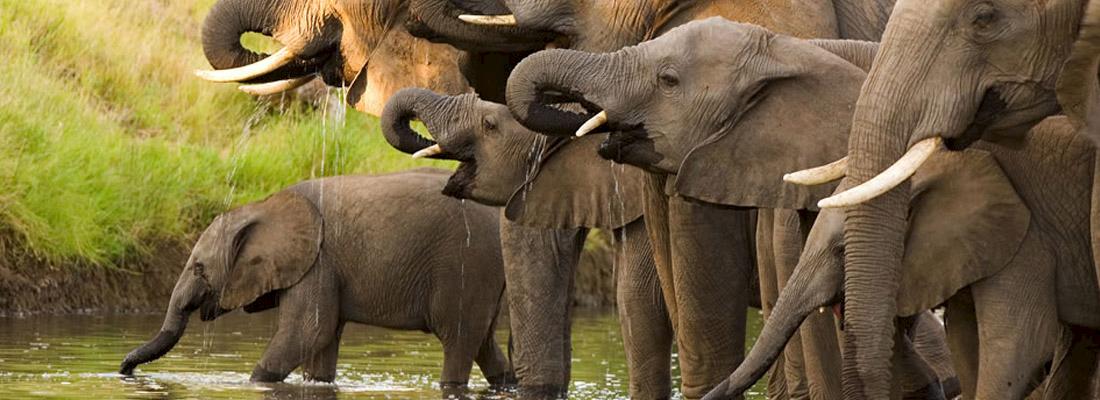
950	245
546	182
727	108
948	71
361	43
242	260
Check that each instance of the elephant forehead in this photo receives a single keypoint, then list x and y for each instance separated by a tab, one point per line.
717	36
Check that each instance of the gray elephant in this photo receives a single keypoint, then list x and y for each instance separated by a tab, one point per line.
497	156
957	71
713	245
383	250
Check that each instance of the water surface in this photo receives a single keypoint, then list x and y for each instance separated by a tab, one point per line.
77	357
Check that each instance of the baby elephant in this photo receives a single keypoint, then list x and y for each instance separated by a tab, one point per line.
385	250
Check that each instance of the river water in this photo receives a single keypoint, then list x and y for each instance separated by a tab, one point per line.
77	357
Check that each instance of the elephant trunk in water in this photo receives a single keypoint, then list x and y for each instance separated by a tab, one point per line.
186	298
562	76
229	19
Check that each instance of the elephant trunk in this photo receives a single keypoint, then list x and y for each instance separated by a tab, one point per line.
416	103
440	17
186	298
813	284
562	76
229	19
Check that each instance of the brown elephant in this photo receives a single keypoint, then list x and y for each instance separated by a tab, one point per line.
383	250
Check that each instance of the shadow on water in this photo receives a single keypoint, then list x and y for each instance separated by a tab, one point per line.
76	356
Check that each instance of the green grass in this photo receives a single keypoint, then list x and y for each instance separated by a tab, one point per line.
108	143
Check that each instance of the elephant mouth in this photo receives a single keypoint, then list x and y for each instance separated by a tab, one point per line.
462	181
632	146
989	111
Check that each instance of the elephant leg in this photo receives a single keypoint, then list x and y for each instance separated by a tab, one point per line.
712	258
913	377
930	342
656	224
1018	325
962	339
494	364
321	367
769	294
1074	370
821	351
538	270
309	318
777	381
646	329
789	229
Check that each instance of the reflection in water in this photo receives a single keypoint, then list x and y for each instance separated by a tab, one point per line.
76	356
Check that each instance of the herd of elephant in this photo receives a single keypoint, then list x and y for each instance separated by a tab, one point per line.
844	165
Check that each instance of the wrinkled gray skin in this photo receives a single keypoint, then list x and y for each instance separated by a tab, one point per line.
497	154
690	275
381	250
740	136
964	70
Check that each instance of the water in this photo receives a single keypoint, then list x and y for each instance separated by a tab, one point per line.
77	357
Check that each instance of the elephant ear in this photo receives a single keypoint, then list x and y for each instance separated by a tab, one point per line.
858	52
276	242
573	187
1078	87
966	223
799	122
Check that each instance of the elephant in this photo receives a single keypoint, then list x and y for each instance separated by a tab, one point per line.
734	153
956	72
359	44
608	26
338	41
497	155
385	250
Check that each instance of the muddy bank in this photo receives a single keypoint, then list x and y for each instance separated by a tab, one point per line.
30	285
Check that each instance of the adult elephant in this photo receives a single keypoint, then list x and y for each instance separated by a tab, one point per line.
324	263
365	42
503	164
360	44
689	271
955	71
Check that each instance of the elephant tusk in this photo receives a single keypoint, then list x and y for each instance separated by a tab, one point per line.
498	20
428	151
276	87
244	73
904	168
819	175
592	124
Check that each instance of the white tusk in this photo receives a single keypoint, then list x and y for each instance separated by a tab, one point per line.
592	124
244	73
276	87
428	151
503	20
819	175
904	168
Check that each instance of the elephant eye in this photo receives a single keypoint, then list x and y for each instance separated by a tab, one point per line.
668	78
488	124
984	17
199	269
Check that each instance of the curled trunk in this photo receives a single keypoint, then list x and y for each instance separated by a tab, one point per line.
402	108
229	19
557	76
441	23
186	297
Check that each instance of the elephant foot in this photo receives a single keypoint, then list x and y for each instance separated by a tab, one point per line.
262	375
542	392
453	390
318	378
505	382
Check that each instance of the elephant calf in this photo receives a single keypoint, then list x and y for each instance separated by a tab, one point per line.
385	250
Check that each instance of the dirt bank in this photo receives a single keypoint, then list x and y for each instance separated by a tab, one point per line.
143	283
